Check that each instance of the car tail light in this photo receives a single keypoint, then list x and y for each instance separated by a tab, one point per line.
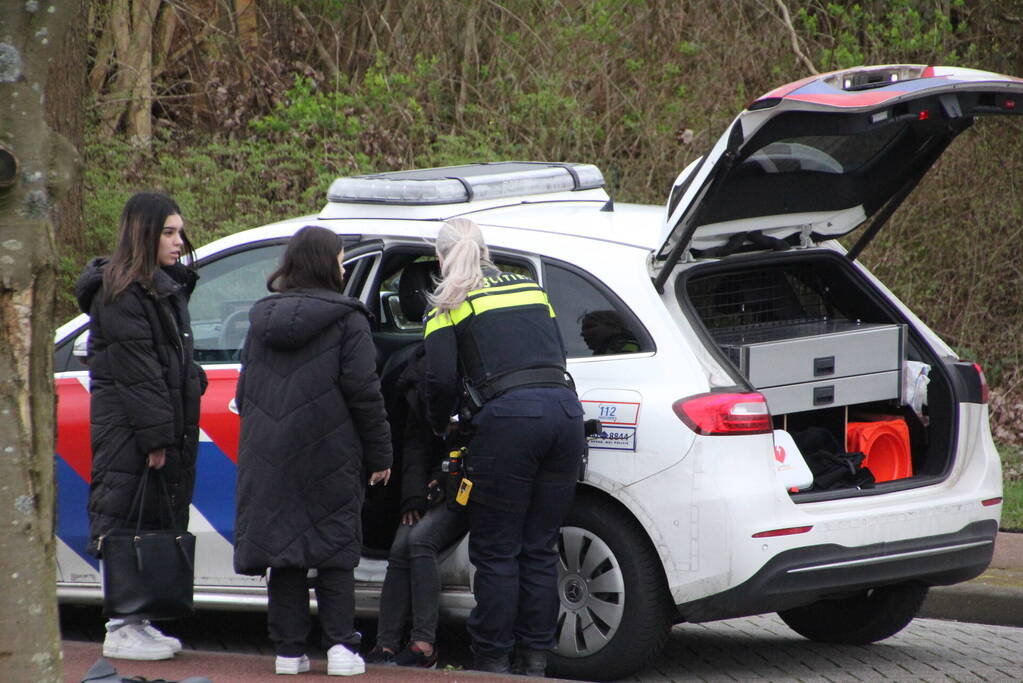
984	395
788	531
724	414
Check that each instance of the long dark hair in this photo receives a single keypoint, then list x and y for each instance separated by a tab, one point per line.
138	243
310	262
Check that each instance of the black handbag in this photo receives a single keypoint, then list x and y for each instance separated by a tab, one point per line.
147	574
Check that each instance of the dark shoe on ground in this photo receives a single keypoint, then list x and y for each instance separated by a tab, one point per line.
530	663
496	663
411	656
379	655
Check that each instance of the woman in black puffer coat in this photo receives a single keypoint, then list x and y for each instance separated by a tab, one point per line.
313	426
145	388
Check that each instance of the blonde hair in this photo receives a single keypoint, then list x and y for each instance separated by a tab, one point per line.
463	255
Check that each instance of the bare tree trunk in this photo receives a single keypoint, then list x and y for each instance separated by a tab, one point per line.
65	114
35	170
140	60
470	61
131	97
246	15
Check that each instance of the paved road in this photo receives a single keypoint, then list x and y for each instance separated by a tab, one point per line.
755	648
763	648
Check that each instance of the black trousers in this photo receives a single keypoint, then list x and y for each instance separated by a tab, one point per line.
523	461
288	618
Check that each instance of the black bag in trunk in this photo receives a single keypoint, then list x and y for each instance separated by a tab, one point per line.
147	574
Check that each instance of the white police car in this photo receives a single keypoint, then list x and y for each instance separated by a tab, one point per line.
708	337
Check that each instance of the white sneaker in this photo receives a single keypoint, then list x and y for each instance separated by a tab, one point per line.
159	636
343	662
291	665
131	642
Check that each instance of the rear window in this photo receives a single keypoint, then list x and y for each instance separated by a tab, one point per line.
592	320
822	153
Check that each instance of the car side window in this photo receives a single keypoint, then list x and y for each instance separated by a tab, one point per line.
592	320
219	307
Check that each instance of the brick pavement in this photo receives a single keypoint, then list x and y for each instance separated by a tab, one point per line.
763	648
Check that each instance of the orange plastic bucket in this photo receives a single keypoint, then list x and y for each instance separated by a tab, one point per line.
886	445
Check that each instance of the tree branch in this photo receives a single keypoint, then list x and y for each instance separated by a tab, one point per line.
786	19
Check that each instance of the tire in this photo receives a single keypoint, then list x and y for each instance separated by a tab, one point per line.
867	617
615	606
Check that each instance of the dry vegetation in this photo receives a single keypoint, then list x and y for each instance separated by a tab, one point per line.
245	109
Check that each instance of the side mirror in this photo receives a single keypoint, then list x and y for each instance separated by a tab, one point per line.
80	349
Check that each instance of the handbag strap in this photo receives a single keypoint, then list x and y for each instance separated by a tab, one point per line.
137	501
140	497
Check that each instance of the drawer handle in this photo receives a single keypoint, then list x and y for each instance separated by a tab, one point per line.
824	366
823	395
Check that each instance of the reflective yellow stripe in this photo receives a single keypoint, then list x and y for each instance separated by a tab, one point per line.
440	320
500	289
489	299
510	300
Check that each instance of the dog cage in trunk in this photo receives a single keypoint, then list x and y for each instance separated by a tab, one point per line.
811	341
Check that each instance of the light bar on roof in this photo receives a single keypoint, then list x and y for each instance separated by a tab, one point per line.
459	184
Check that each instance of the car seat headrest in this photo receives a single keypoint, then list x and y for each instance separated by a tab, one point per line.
416	282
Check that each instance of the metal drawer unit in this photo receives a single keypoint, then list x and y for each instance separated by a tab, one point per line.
808	366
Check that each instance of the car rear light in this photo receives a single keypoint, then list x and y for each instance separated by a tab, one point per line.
984	394
788	531
991	501
724	414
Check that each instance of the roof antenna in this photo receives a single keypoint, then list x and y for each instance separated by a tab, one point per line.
609	205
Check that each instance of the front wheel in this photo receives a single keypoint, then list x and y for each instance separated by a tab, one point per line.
615	607
864	618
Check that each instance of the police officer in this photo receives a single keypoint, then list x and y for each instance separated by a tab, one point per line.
493	351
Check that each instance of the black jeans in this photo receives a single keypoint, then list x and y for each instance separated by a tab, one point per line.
413	578
523	461
288	613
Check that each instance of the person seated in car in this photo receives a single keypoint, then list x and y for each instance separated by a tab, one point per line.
428	525
605	333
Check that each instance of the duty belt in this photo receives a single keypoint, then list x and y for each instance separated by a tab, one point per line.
521	378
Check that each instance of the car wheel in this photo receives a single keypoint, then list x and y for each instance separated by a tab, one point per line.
864	618
615	607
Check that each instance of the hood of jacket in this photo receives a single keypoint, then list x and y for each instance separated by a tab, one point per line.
290	320
89	283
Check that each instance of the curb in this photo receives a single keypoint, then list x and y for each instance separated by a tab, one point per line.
994	598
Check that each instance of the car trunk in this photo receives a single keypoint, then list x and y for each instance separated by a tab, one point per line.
837	362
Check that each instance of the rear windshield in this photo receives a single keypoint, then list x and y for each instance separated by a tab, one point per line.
822	153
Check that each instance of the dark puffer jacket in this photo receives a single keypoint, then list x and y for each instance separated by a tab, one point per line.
313	428
145	392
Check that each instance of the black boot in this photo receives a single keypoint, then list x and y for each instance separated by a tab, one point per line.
529	663
491	662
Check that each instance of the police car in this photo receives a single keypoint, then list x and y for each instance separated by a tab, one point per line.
732	350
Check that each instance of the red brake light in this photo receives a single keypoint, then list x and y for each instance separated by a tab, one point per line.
724	414
1010	104
924	115
984	394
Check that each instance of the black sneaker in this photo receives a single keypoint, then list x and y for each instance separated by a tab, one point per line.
379	655
495	662
529	663
413	657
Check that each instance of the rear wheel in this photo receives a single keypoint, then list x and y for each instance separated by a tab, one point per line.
864	618
615	607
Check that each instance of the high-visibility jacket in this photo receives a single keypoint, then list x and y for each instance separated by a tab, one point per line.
504	326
